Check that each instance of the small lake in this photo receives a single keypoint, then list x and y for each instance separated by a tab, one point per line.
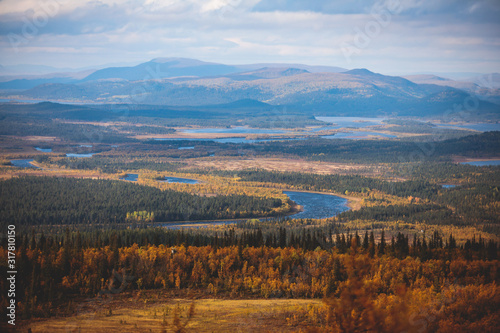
482	127
229	140
358	135
185	148
483	163
234	130
448	185
23	164
179	180
131	177
79	155
317	205
341	122
44	150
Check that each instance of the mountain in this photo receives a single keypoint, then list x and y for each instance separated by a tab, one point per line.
437	80
30	76
267	73
179	82
160	68
311	69
486	87
33	70
491	81
23	82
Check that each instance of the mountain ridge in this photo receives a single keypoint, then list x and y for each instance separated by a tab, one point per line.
181	82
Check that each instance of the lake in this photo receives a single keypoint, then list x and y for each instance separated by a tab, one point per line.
341	122
483	163
448	185
23	164
79	155
317	205
44	150
482	127
357	135
229	140
234	130
179	180
131	177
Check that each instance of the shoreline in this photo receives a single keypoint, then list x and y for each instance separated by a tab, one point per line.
461	159
354	203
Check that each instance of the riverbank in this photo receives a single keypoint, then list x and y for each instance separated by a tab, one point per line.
354	203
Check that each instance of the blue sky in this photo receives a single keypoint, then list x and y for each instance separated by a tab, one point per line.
387	36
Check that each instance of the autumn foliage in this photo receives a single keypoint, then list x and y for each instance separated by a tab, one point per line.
381	291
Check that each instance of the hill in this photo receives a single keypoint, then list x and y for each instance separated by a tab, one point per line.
179	82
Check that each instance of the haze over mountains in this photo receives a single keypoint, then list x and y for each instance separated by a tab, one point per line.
320	89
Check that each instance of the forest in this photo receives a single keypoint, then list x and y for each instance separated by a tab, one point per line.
351	273
416	250
53	201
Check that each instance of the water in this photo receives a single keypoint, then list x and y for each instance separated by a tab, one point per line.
195	225
245	140
482	127
341	122
23	164
317	205
357	135
360	122
131	177
44	150
234	130
229	140
180	180
79	155
448	185
184	148
483	163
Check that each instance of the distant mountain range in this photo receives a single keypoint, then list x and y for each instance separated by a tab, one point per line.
319	89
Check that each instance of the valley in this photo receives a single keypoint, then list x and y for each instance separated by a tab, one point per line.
259	216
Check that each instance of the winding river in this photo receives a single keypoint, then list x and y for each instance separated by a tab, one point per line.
314	206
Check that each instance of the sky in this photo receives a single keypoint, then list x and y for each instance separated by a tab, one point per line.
385	36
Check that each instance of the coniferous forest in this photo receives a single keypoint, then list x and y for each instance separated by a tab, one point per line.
409	255
243	215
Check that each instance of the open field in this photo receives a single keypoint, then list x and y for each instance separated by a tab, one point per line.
281	164
135	314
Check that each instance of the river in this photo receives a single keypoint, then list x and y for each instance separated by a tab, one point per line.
314	206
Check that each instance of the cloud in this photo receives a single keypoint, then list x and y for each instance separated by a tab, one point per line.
443	32
326	7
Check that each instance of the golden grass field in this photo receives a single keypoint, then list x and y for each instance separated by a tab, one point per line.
136	314
280	164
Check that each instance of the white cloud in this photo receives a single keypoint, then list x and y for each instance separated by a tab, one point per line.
462	34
